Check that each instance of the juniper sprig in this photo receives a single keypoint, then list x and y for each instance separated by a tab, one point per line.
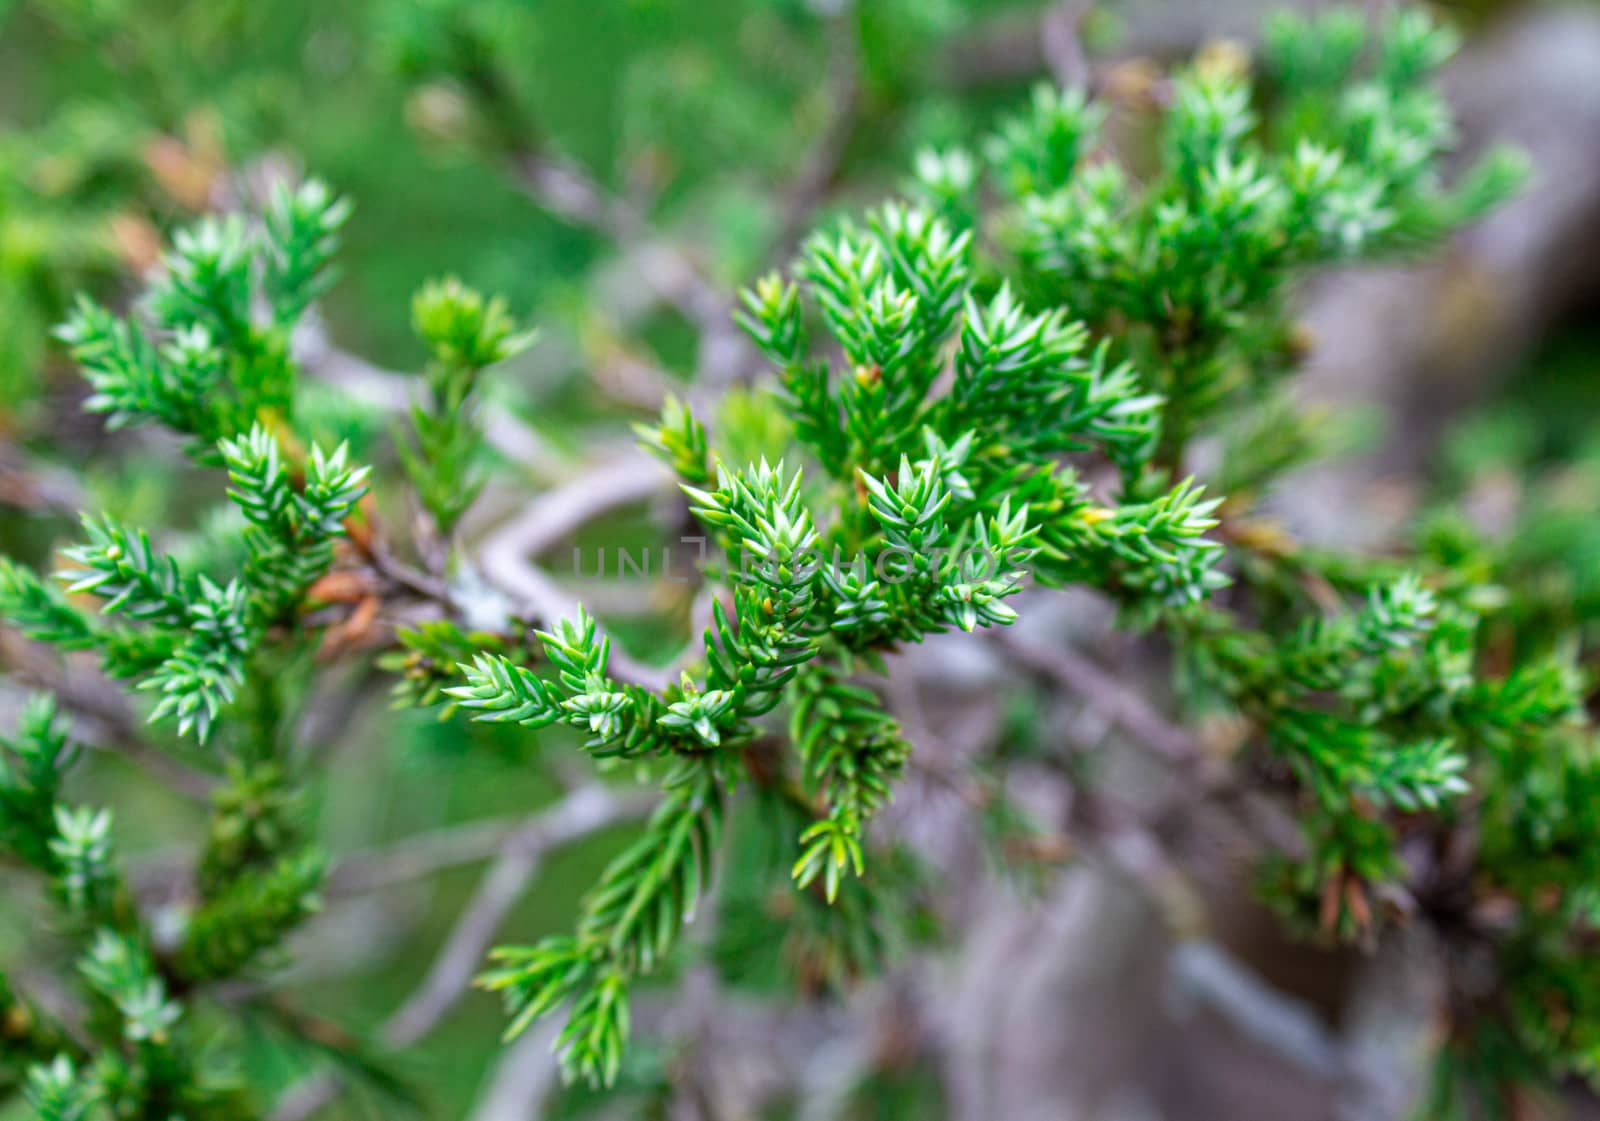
208	645
1026	381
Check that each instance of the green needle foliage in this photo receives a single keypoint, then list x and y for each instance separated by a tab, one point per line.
138	1059
198	637
1004	377
1033	405
795	629
205	367
207	364
465	334
215	649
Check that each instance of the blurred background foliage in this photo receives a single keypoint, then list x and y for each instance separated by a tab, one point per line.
122	113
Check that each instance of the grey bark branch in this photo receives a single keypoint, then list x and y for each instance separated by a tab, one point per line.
582	813
663	265
585	811
428	854
523	1078
1102	690
507	554
102	718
